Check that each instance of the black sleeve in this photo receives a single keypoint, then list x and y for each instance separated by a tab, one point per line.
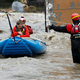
60	28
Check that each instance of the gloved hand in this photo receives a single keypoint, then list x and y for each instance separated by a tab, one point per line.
51	27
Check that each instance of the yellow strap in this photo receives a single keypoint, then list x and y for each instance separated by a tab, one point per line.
76	16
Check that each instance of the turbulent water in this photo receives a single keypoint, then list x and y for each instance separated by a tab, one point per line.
55	64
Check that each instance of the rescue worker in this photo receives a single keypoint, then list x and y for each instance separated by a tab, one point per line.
23	20
74	30
20	31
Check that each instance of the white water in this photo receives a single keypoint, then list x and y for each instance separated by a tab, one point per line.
55	64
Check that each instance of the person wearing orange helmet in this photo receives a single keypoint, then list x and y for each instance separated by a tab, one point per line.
23	21
74	30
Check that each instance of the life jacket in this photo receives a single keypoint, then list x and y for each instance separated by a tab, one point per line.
75	30
29	29
21	29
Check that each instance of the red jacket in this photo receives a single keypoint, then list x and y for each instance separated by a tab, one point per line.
73	29
16	32
68	29
29	29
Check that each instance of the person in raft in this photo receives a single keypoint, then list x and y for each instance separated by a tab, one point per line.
74	30
23	20
20	31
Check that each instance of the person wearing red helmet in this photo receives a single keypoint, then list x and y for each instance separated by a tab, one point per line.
23	20
74	30
75	16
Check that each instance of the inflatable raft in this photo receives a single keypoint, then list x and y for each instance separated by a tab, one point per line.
17	47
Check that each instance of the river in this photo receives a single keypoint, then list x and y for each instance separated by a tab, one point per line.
55	64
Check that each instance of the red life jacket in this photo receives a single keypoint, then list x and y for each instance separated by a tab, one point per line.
21	29
75	29
29	29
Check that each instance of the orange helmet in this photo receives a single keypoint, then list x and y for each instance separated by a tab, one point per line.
75	16
23	19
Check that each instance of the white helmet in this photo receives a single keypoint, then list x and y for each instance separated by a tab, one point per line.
22	19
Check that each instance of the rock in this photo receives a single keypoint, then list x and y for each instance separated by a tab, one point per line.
17	6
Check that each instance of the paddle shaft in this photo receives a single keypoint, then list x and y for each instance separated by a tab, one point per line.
10	24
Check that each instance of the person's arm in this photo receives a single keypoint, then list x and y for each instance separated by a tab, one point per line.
14	32
58	28
26	33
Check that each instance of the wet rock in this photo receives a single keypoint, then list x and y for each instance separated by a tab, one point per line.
1	31
17	6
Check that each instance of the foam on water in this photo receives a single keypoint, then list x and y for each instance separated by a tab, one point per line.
55	64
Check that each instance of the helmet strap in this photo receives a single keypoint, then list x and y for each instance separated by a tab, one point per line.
75	22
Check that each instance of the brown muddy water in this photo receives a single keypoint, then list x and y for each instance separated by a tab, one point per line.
55	64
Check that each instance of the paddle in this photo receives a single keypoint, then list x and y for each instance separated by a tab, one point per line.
10	24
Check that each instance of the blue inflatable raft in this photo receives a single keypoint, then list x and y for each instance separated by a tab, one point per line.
17	47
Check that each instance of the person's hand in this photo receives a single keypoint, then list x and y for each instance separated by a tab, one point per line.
20	33
51	27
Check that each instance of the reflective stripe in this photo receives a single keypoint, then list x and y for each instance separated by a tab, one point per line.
76	16
77	36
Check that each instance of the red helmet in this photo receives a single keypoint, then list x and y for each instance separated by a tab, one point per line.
75	16
23	19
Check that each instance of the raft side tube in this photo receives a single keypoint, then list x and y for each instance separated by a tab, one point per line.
37	47
16	49
2	44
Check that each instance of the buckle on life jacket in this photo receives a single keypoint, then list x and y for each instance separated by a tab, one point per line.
75	36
